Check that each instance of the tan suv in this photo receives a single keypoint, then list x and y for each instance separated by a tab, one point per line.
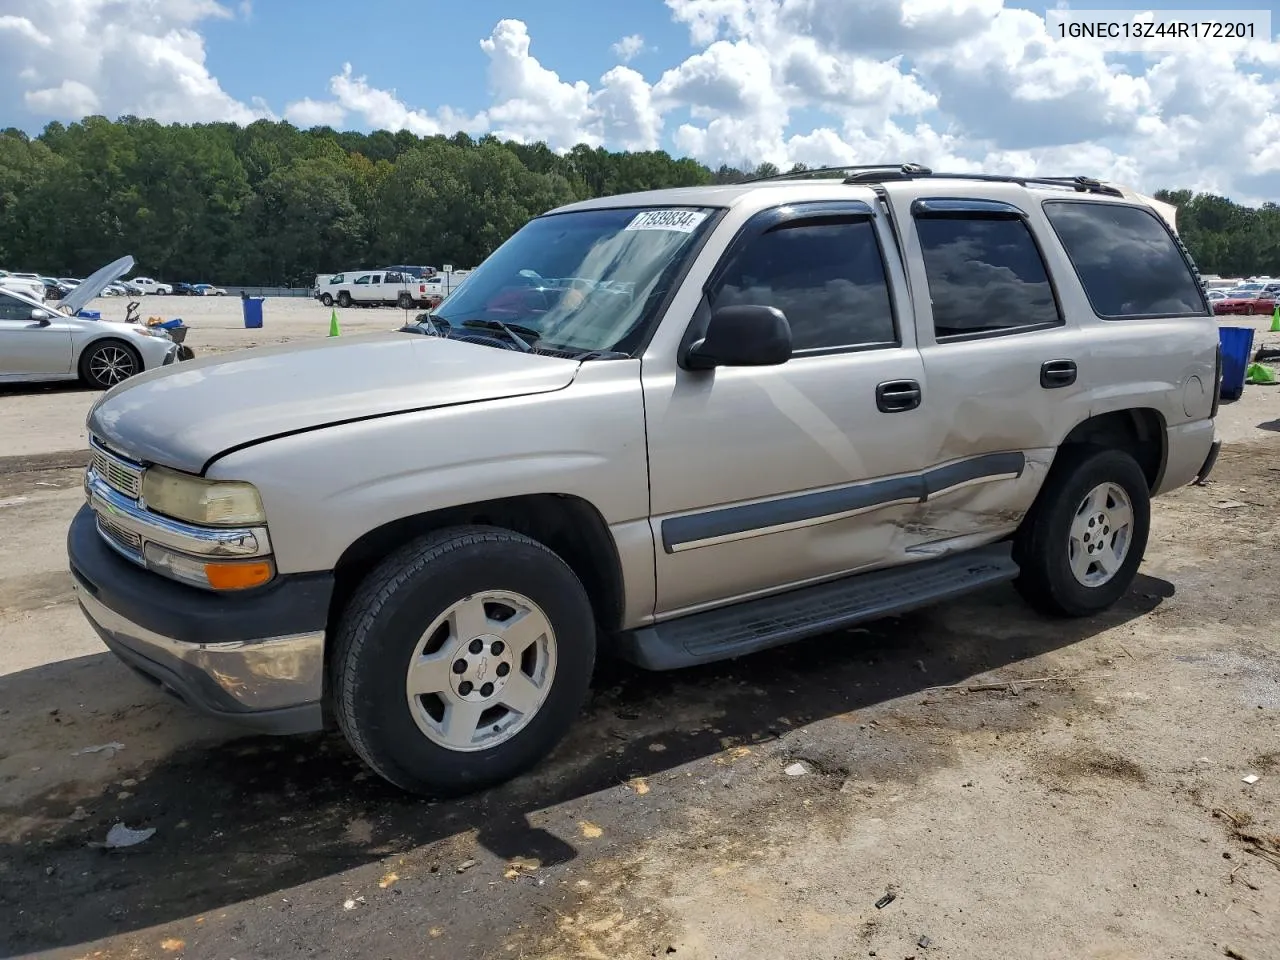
676	426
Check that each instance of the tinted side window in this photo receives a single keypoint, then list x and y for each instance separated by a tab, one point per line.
1126	259
364	279
984	275
828	278
14	309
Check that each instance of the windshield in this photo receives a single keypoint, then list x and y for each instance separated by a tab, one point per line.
580	282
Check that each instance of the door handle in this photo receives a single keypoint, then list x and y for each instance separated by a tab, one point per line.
894	396
1057	373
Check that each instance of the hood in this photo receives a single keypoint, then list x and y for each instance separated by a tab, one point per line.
184	416
90	287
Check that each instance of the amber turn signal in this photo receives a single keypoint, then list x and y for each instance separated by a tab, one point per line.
238	576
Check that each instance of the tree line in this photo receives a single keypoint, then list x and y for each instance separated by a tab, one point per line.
270	204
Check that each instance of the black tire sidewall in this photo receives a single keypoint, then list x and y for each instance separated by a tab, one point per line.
379	704
344	300
1045	558
327	300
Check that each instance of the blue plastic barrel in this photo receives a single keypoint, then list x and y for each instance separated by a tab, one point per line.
1237	347
252	311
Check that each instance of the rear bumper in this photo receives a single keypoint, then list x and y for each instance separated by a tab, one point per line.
1209	462
255	659
1189	449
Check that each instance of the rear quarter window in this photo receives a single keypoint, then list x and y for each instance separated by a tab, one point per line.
1127	260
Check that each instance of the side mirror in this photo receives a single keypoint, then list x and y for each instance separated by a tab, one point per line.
742	336
42	317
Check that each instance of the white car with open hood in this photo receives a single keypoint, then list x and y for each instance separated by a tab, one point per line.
40	341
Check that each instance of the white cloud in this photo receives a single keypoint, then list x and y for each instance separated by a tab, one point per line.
70	98
624	111
530	101
628	48
65	58
315	113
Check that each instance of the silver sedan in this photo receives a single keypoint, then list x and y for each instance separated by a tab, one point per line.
49	342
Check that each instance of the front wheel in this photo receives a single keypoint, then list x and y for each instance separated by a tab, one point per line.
462	660
1080	546
108	362
326	300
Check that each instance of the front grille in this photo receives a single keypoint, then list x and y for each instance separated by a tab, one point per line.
118	474
126	542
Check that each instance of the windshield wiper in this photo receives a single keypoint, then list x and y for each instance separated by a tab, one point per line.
508	329
601	355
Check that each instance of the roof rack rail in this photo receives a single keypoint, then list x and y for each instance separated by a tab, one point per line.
890	168
1079	184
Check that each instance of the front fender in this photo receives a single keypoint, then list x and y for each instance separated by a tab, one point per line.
324	489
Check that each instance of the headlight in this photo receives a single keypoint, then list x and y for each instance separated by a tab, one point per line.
212	503
152	331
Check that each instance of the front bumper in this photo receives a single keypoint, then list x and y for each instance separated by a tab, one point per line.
255	658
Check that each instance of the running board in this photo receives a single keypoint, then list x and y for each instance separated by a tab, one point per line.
755	625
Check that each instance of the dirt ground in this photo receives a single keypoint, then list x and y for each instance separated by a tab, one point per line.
1022	788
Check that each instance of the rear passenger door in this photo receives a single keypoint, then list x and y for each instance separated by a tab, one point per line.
1005	369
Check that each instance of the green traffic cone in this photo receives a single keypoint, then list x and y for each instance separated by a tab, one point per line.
333	325
1275	320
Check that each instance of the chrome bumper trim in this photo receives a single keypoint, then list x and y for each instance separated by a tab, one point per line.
245	676
118	511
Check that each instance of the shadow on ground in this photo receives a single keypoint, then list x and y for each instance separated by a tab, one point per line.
257	816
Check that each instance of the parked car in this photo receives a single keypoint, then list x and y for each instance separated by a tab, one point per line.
209	290
53	288
39	342
185	290
1245	303
1216	295
326	287
678	426
149	286
28	286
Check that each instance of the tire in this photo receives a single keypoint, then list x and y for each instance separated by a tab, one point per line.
108	362
1060	574
326	300
344	299
405	302
411	606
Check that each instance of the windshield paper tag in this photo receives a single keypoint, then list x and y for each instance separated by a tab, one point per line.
681	221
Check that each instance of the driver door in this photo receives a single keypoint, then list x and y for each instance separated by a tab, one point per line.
771	477
31	347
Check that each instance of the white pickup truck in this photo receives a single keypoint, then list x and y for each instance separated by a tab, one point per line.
373	288
147	285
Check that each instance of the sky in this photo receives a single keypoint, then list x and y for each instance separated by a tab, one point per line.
962	85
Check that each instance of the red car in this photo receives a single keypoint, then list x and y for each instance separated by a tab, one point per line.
1247	303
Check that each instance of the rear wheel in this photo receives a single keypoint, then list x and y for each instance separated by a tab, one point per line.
344	299
462	660
1080	546
404	302
108	362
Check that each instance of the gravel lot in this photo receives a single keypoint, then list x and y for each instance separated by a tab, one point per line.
1023	788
